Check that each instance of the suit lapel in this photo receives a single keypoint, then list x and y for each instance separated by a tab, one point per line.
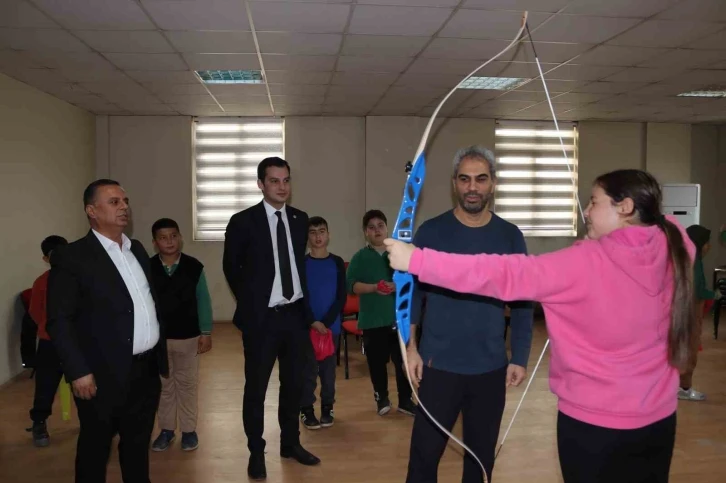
260	217
106	264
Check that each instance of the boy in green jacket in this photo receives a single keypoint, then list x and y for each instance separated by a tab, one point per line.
370	277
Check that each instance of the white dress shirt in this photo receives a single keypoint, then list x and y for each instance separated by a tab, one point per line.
146	325
276	297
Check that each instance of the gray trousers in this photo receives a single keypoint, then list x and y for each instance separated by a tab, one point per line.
324	369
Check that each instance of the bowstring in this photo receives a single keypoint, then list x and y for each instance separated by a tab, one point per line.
582	215
421	148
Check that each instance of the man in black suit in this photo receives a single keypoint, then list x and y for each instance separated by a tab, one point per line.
102	320
264	265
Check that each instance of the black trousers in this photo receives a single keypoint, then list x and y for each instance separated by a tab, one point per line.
381	345
48	374
324	369
480	399
593	454
284	338
132	418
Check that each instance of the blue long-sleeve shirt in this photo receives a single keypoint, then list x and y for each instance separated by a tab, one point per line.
464	333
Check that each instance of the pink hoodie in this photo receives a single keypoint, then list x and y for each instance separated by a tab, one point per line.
607	305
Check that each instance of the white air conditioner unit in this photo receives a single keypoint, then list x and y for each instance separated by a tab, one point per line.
683	201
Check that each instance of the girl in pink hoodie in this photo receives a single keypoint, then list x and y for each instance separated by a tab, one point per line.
620	317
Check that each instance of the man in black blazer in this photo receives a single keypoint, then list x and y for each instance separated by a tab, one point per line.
264	253
102	321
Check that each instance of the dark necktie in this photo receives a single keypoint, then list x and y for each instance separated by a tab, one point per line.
283	256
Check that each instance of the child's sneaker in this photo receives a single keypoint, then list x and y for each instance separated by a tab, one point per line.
326	417
690	395
162	442
307	416
406	407
384	406
190	441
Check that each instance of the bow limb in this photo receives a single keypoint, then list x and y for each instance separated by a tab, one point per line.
403	230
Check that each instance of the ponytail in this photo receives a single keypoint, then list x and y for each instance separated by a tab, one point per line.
682	334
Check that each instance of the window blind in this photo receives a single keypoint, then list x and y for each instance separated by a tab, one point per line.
535	189
226	154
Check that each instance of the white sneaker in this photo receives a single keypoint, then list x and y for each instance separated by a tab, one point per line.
690	395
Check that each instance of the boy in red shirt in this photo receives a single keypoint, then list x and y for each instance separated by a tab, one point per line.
48	371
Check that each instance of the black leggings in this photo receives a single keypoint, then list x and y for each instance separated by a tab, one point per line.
593	454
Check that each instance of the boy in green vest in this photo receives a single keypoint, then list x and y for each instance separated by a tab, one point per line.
370	277
184	303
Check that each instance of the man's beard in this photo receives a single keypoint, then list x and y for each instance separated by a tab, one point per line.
473	208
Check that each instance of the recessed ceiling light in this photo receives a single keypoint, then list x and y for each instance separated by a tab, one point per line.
710	91
231	76
493	83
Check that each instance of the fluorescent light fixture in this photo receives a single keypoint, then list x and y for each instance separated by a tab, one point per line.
493	83
231	76
709	91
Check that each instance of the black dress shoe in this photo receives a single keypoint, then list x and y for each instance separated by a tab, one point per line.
300	454
256	469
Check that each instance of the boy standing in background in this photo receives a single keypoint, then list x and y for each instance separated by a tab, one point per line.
370	276
48	370
184	303
327	294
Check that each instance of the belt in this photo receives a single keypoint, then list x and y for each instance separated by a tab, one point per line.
143	355
285	307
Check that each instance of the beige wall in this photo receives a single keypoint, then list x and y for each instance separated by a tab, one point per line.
364	159
46	160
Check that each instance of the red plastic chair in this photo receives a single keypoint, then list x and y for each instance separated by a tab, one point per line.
349	325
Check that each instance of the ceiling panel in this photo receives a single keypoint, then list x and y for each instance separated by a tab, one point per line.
642	74
551	6
699	76
125	41
686	58
666	33
290	77
480	24
197	110
363	78
175	89
209	42
18	59
549	52
97	14
188	100
310	110
410	78
705	10
19	14
372	64
199	14
377	20
238	89
715	41
389	45
439	66
466	49
174	77
40	40
581	72
71	60
619	8
615	55
609	87
147	61
93	75
298	89
300	44
299	17
582	29
299	62
222	61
